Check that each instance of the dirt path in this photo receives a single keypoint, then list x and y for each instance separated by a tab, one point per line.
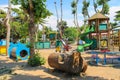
20	71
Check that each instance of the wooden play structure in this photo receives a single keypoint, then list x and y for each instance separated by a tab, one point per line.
116	37
101	34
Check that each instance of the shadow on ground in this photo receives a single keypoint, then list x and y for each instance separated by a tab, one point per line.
55	75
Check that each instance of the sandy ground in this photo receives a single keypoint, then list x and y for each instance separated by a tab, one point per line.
21	71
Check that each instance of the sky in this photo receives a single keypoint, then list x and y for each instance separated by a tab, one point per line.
67	11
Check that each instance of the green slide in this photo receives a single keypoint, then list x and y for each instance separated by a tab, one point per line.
84	37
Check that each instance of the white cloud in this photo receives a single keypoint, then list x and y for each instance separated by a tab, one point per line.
5	7
70	22
112	12
52	22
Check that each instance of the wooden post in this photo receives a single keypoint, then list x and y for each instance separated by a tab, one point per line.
108	27
119	39
97	32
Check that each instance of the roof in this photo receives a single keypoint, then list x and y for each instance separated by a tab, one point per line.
98	16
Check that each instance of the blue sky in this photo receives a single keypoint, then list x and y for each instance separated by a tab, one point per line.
67	10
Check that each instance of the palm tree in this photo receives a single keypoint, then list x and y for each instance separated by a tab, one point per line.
56	13
74	12
85	13
117	17
103	3
95	6
61	19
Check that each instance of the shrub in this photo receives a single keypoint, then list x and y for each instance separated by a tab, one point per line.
36	60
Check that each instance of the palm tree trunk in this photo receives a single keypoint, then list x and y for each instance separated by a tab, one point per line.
78	30
61	19
95	6
56	13
57	18
36	33
102	11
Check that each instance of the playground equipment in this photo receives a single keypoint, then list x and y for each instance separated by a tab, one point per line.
65	45
116	38
101	32
42	45
58	46
83	37
3	47
18	51
71	63
112	55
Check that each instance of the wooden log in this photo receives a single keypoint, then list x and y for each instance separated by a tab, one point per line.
70	63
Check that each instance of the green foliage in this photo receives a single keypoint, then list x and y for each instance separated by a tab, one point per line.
19	25
2	14
105	6
105	9
63	25
36	10
39	8
70	33
36	60
117	16
73	4
85	8
2	26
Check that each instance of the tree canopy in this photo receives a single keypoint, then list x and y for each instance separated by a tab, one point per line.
36	10
117	16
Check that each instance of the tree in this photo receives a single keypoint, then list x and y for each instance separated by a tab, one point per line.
104	4
74	6
70	33
85	12
36	10
61	19
96	4
19	25
117	17
2	26
57	14
7	24
63	26
85	9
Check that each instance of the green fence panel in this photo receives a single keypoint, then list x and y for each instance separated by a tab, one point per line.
46	45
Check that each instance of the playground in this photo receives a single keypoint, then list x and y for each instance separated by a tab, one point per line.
93	58
88	49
